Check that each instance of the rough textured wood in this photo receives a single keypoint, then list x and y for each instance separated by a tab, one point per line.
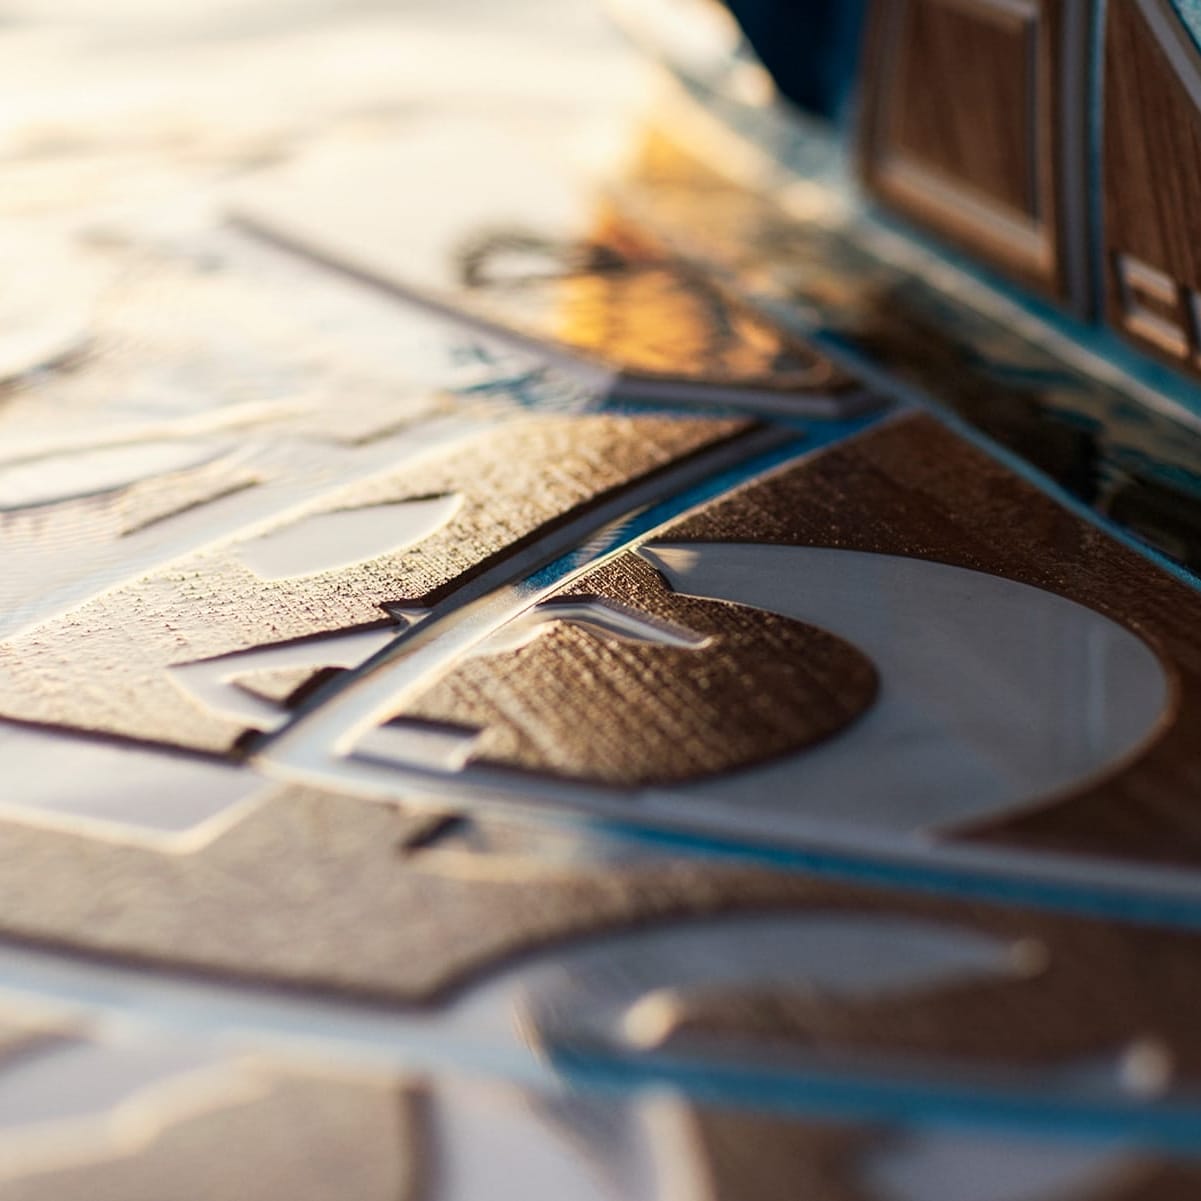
103	666
914	488
962	128
590	706
1152	185
271	1133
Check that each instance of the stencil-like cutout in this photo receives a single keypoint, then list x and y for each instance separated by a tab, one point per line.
64	779
215	682
994	693
331	541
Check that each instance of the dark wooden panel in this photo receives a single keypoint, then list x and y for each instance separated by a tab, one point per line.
967	93
1152	180
964	126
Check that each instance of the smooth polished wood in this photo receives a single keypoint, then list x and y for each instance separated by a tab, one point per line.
964	130
1152	180
544	258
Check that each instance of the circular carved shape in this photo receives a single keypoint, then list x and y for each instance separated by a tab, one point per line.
594	704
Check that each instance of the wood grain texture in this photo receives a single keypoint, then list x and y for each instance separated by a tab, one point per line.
962	129
914	488
589	706
1152	183
271	1133
1133	464
103	666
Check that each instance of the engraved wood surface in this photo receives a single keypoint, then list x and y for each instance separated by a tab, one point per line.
593	706
962	128
914	488
104	665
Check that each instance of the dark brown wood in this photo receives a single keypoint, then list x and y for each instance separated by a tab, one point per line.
761	1157
1152	181
103	667
963	126
915	488
339	896
590	706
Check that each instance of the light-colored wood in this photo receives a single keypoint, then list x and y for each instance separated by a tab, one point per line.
249	1131
529	249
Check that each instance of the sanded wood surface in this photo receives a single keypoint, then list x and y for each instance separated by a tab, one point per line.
103	666
1152	182
963	126
915	488
269	1134
588	705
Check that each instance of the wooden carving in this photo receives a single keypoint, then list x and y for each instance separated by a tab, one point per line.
970	129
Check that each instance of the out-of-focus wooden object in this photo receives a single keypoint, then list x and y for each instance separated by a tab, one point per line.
974	127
